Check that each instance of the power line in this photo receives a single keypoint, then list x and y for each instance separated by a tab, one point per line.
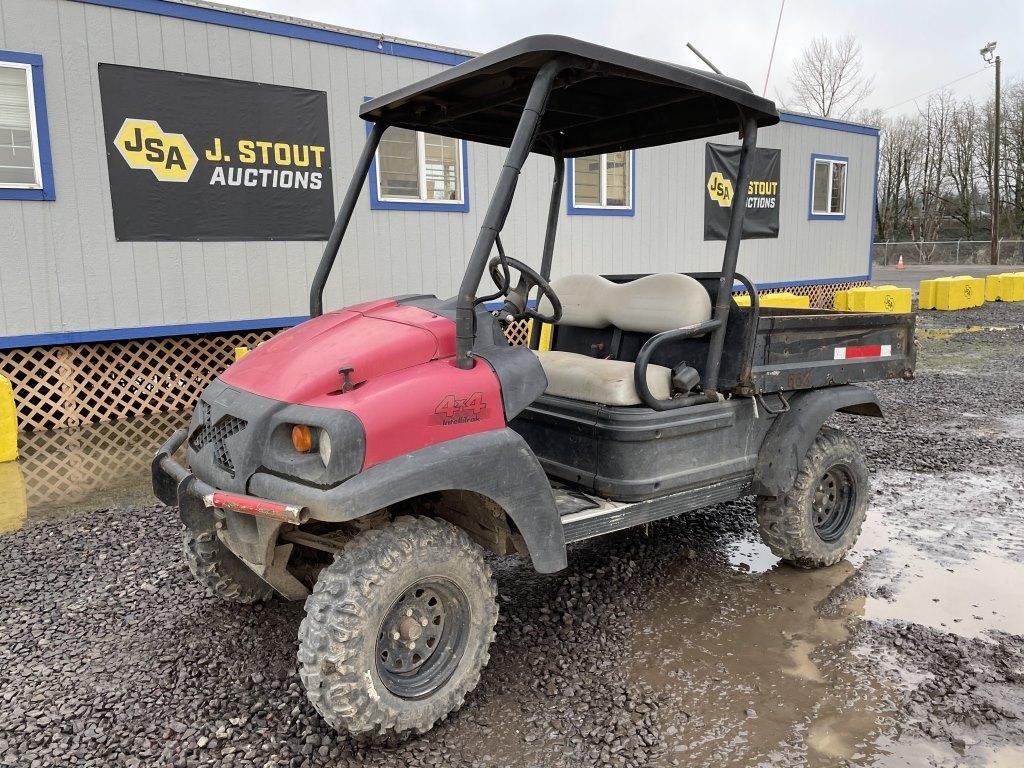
771	58
933	90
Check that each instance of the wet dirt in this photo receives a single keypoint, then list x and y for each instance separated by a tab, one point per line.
763	664
683	644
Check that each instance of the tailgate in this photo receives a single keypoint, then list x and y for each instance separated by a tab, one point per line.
818	348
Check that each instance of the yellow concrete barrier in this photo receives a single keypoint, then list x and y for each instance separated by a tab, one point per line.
993	287
877	298
781	300
1008	286
8	422
13	500
1013	287
951	293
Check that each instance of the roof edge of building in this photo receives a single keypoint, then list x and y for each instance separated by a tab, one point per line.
220	13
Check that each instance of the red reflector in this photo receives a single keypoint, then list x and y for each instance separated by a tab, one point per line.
250	505
870	350
866	350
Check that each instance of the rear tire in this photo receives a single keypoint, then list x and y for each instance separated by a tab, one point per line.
397	629
219	570
819	519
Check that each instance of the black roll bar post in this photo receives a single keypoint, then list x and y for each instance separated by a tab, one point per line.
723	300
497	210
548	254
554	208
348	206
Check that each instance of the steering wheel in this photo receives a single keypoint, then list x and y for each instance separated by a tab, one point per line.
517	299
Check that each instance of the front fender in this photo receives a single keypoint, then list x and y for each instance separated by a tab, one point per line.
790	437
497	464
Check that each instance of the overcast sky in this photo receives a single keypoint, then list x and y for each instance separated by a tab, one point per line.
911	46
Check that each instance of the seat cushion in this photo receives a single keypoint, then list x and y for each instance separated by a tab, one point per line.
608	382
650	304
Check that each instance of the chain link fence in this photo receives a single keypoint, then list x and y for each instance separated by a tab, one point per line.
887	253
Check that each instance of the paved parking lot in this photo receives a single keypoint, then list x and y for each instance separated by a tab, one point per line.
912	275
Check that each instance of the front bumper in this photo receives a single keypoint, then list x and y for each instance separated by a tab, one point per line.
173	484
248	526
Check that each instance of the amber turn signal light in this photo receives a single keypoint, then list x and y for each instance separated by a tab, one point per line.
302	438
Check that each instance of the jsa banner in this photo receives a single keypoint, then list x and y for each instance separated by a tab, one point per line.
204	158
721	167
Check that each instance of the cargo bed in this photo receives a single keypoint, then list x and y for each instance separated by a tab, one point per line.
797	349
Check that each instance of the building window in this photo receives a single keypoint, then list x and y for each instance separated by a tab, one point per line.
828	187
602	185
419	171
25	169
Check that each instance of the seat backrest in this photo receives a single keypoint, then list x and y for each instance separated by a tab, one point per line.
650	304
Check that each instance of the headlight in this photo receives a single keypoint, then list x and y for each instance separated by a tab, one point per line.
325	447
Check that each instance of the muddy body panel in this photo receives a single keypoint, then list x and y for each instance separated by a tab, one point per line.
801	349
637	454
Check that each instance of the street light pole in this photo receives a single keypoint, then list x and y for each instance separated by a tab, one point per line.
986	54
995	177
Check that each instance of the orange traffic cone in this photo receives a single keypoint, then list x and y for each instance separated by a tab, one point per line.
899	264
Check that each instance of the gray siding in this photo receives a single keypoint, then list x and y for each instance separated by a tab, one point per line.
62	270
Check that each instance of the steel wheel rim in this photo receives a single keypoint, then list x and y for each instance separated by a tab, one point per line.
422	638
833	503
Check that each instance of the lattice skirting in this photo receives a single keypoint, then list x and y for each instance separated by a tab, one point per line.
821	295
69	386
64	466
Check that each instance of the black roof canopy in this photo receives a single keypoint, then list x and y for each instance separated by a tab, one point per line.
602	101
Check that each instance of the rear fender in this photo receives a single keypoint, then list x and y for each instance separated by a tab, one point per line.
790	437
497	464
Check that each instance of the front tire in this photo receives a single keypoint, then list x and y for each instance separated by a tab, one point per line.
220	571
398	628
819	519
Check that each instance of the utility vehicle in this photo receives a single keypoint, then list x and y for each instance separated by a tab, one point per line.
365	460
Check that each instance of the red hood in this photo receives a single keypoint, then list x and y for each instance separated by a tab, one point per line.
373	339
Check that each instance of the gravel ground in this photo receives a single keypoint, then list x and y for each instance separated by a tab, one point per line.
682	645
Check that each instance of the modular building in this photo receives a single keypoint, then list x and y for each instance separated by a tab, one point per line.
169	173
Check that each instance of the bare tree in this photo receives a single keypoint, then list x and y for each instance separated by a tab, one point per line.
927	217
963	164
900	148
828	78
935	171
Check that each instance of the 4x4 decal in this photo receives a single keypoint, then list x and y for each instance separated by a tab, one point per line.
460	410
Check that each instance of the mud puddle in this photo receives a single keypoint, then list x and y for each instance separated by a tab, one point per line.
763	664
77	470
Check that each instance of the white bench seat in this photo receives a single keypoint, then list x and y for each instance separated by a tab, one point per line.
593	380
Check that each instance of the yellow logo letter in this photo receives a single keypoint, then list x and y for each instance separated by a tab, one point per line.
144	146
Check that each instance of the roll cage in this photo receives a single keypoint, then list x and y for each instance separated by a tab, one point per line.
564	98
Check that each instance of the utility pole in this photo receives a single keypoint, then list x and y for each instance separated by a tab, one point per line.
986	54
996	178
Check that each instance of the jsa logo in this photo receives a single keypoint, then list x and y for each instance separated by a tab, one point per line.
720	189
144	145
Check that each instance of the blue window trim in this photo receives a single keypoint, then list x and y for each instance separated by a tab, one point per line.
587	210
811	215
253	23
376	204
48	192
